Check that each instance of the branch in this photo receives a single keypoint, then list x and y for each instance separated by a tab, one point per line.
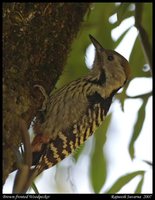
143	34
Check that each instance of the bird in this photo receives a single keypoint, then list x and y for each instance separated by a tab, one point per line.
72	114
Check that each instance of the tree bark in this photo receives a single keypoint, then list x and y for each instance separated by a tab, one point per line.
37	38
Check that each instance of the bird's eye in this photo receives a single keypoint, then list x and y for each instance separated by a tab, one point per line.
110	57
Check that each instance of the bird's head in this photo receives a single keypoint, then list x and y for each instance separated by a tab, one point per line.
114	65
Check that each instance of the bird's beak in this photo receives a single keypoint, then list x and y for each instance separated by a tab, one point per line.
96	44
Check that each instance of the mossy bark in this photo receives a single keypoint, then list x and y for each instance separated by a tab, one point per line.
37	38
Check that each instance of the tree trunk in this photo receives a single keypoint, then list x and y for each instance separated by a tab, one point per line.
37	38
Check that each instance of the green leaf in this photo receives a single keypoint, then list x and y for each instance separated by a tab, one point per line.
147	19
34	187
98	170
98	24
139	186
122	11
122	96
137	61
137	128
122	181
137	56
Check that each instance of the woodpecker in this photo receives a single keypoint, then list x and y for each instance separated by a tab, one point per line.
74	112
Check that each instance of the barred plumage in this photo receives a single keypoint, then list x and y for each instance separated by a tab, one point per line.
74	112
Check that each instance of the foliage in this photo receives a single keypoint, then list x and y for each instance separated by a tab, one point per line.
124	180
97	24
